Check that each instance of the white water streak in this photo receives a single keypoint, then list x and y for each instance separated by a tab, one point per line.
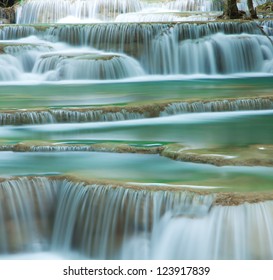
108	222
25	210
227	232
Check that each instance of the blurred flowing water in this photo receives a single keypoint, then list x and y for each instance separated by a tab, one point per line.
77	73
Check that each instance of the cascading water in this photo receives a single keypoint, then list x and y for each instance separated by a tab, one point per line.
50	11
77	115
88	66
155	49
104	221
227	232
117	84
26	215
106	216
210	55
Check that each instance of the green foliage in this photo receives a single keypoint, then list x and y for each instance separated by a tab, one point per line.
9	3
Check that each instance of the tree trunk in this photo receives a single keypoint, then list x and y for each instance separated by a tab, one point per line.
251	9
231	9
7	3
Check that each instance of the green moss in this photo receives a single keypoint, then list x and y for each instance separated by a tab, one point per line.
255	155
224	198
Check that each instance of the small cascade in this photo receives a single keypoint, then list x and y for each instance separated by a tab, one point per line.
88	66
95	115
26	54
109	114
66	116
196	5
200	5
50	11
218	106
106	36
149	17
97	220
162	49
136	37
19	56
27	210
227	232
22	117
42	11
43	61
105	221
80	115
216	54
268	27
12	32
93	219
51	148
10	68
164	17
124	50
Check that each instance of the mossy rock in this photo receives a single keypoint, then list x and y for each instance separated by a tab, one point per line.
4	45
7	15
266	7
254	155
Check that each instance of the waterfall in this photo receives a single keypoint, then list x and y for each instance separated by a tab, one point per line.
59	148
67	116
148	17
27	208
93	219
47	62
50	11
210	55
95	115
105	221
217	106
78	115
162	49
132	37
106	217
227	232
10	68
268	27
129	50
115	118
26	54
19	118
196	5
11	32
88	66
